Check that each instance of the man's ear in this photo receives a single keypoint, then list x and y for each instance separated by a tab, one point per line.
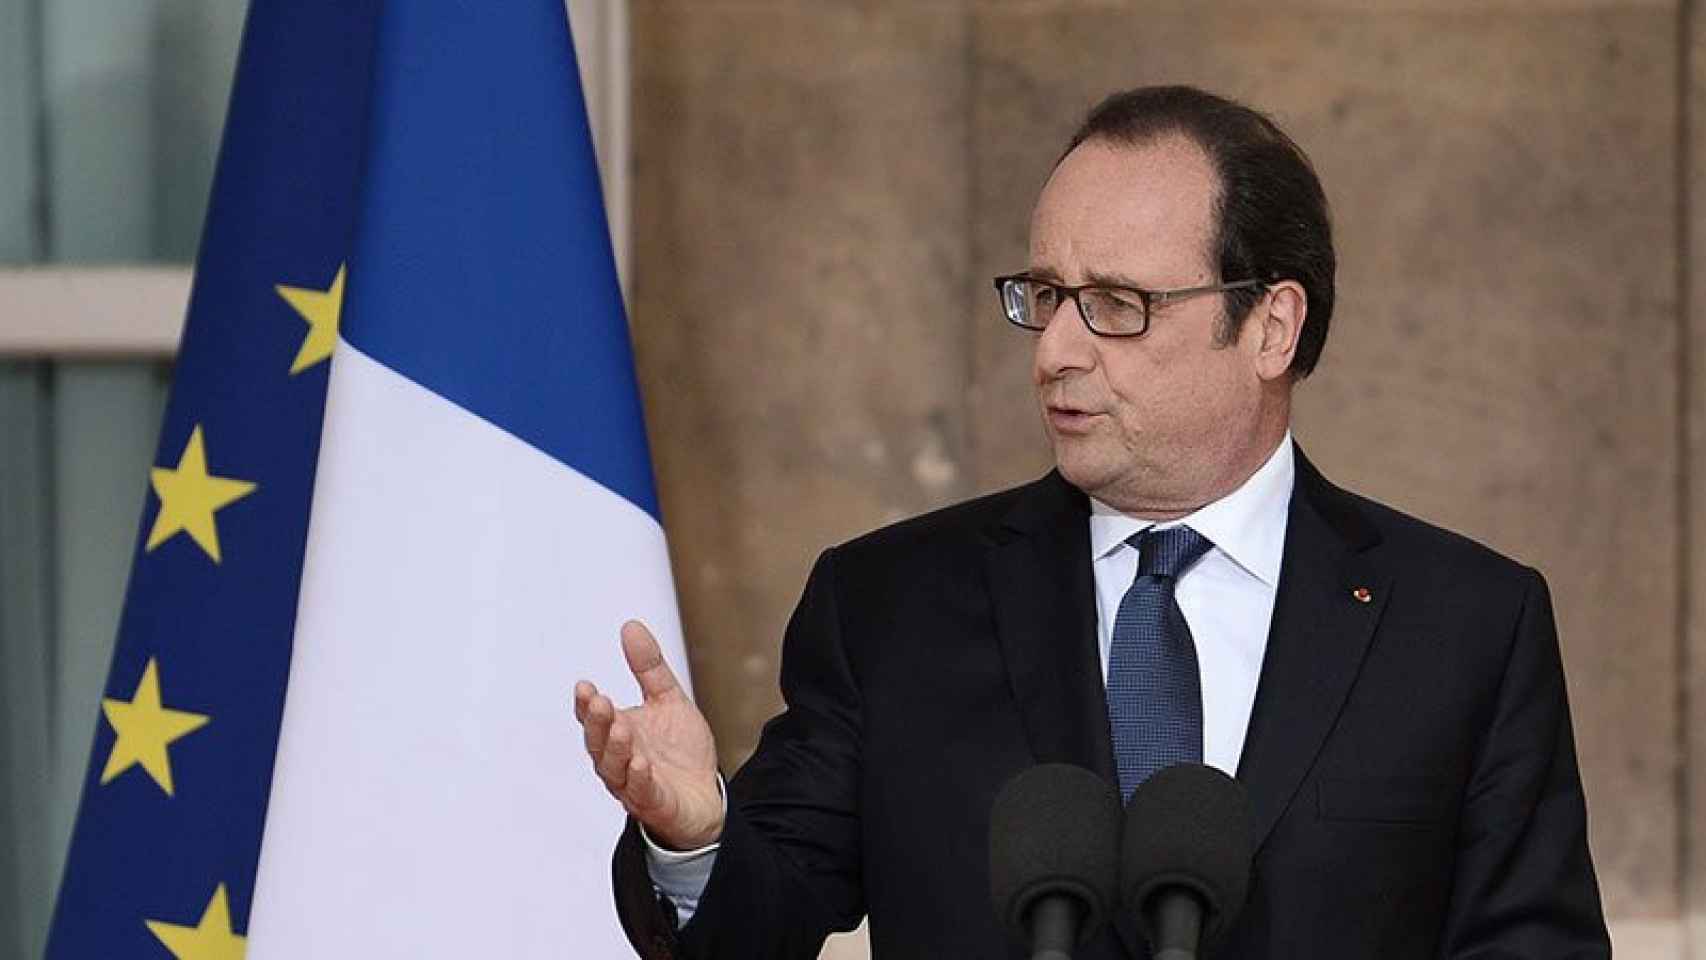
1279	317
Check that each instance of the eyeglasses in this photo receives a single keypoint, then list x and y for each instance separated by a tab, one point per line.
1107	311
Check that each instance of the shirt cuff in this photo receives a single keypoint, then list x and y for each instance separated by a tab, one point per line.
681	875
656	854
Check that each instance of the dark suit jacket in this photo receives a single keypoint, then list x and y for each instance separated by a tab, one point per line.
1409	757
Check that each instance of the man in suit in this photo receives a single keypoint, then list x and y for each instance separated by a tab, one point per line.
1184	586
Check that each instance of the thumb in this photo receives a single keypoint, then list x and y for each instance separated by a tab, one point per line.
646	662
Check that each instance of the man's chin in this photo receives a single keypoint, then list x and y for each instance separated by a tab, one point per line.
1088	474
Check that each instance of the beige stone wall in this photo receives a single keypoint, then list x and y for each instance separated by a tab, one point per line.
821	190
1692	367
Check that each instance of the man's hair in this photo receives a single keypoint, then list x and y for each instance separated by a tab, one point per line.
1270	215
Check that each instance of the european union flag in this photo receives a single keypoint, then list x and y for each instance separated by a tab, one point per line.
433	535
163	856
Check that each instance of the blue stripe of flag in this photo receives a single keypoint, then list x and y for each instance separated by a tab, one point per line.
483	269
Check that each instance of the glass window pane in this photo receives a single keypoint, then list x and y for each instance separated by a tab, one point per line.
110	117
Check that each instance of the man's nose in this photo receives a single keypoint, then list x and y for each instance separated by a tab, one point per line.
1066	344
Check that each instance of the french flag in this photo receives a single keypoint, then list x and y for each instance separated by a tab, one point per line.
483	520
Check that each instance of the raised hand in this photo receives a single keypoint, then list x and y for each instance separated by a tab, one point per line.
659	758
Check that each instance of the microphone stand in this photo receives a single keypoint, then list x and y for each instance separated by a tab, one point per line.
1176	918
1054	928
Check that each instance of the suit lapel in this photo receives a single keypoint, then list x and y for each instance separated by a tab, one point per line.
1329	601
1043	595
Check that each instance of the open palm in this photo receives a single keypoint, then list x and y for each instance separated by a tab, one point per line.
659	758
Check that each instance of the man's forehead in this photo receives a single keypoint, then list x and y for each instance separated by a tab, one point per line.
1107	200
1170	171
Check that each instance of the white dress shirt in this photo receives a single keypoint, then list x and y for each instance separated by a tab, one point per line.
1227	598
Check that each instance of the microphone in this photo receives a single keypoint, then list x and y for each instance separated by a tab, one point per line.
1185	858
1054	857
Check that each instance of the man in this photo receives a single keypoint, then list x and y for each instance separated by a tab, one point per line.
1185	586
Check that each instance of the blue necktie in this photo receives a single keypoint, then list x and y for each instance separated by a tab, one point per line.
1154	691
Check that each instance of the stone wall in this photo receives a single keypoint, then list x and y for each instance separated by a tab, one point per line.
822	189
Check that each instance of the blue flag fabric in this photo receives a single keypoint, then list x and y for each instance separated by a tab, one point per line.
175	795
484	270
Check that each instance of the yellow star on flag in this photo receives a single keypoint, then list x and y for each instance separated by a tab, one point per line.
145	728
189	497
320	308
210	939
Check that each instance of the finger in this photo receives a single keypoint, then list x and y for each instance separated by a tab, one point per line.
646	661
618	749
584	692
600	714
642	788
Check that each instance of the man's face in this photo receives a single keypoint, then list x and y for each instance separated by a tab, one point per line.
1159	424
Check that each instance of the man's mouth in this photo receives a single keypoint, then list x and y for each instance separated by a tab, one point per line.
1064	418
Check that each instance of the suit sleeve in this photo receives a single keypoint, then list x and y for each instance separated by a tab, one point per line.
1524	885
788	866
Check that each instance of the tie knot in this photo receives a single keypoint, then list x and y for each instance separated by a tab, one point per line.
1167	553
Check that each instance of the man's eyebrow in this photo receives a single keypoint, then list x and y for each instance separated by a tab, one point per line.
1106	279
1100	278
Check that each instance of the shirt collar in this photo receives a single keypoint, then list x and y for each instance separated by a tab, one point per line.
1248	524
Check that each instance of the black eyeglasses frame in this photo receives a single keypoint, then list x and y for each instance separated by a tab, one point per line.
1149	298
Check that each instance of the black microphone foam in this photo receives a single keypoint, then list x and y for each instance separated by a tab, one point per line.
1054	829
1188	826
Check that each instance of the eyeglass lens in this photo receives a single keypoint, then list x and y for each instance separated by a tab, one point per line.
1033	303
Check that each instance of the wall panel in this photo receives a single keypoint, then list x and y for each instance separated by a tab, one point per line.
798	305
1693	398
